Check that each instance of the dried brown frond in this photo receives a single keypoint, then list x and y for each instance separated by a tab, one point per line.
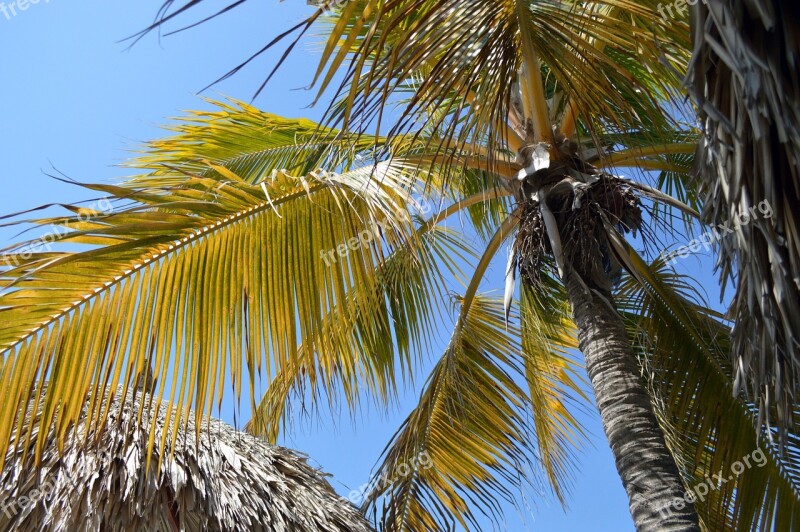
744	80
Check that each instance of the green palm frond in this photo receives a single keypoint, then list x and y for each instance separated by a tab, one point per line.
483	216
602	63
474	50
469	440
403	298
684	350
554	377
472	422
250	143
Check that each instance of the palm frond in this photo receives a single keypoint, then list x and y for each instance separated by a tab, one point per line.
472	422
461	60
403	297
203	282
468	441
713	433
250	143
555	381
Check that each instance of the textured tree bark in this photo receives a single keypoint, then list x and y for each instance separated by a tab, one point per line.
647	469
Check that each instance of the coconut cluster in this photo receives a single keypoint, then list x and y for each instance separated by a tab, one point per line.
584	210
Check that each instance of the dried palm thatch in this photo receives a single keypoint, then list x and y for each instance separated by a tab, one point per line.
744	78
223	480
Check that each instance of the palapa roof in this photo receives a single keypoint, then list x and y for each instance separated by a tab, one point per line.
226	480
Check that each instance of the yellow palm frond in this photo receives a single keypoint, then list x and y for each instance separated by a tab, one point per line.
406	292
469	440
611	60
554	379
195	278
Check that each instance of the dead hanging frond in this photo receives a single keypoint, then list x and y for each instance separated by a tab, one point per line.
532	247
744	80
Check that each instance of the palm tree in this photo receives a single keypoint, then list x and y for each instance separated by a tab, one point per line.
744	81
234	253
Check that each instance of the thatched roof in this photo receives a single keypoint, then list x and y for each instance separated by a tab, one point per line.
226	480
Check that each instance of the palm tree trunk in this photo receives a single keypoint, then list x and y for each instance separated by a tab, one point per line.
647	469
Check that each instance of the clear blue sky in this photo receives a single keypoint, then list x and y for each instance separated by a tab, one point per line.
75	99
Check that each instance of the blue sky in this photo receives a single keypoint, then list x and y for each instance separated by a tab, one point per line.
76	100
